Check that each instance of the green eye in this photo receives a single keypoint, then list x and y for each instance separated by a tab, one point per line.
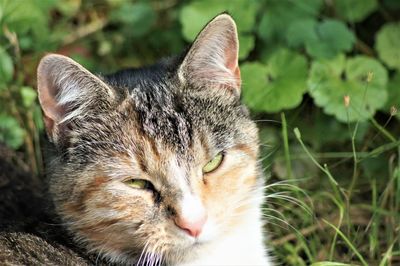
213	164
139	184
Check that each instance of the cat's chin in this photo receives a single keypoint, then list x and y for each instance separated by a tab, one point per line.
185	250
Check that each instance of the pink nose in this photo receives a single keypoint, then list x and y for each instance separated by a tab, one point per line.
193	226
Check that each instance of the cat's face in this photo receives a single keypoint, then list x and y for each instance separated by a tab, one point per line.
154	164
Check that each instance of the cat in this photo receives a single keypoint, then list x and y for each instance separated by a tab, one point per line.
157	165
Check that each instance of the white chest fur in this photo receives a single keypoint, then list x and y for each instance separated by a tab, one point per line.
244	246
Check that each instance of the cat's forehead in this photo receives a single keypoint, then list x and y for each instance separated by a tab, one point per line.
160	115
165	111
148	93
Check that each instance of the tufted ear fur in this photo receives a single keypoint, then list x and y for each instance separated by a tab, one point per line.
212	60
67	91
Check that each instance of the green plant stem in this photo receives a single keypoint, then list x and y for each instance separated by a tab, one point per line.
325	155
84	31
353	147
340	222
364	48
388	254
381	149
382	130
322	168
397	197
286	146
374	221
335	186
348	242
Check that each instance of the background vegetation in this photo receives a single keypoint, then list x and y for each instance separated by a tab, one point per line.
322	78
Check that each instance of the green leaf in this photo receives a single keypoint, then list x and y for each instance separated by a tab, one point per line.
278	85
325	39
280	15
69	7
331	80
393	102
29	19
138	17
246	44
10	132
298	33
6	67
388	43
254	81
197	14
355	10
333	37
28	96
20	16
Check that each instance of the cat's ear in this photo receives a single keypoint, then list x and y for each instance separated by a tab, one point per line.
67	91
212	60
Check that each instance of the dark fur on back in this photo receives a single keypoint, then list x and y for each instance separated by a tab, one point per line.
30	233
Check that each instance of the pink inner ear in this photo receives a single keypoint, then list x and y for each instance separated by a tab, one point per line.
237	77
231	61
47	97
52	112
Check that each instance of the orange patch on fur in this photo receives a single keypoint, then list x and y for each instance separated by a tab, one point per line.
78	206
225	192
98	227
247	150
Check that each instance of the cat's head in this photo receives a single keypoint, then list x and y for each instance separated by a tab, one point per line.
153	162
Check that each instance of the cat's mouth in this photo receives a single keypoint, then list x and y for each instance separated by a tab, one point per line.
193	244
199	243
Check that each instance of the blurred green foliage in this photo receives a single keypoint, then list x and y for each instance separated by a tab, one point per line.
319	38
332	66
